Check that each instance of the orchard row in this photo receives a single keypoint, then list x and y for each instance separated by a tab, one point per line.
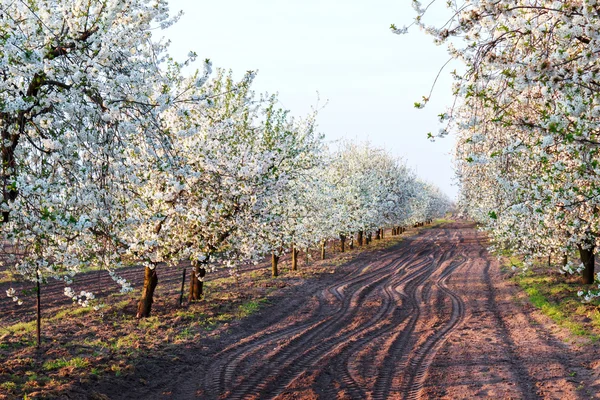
527	118
112	155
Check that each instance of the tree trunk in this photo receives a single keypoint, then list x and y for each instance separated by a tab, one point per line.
294	258
382	232
351	243
323	243
378	235
182	287
196	285
359	238
274	261
145	303
587	258
342	243
565	259
38	330
369	237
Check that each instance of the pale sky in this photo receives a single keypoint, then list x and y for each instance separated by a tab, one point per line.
345	51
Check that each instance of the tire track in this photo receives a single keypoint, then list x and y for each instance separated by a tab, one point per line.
357	288
424	356
373	333
399	351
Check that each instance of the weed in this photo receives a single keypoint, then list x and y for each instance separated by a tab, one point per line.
9	386
149	323
185	333
250	307
116	369
20	328
76	362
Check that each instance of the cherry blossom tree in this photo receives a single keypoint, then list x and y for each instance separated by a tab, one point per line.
82	86
527	119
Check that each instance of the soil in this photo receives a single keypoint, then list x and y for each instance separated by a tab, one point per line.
430	317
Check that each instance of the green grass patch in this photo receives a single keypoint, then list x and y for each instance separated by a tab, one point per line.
558	300
76	312
19	328
8	386
185	334
149	323
76	362
250	307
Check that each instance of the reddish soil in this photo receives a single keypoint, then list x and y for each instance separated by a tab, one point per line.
431	317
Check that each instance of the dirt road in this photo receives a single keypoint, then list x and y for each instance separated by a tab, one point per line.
428	318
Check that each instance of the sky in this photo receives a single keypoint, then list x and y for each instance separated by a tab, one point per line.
341	52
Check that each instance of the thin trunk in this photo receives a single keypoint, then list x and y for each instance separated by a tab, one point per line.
145	303
359	239
382	232
351	244
342	243
196	283
565	259
369	237
274	261
323	243
294	258
587	258
182	287
39	310
378	235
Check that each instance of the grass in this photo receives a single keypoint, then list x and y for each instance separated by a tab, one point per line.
125	342
9	386
22	328
149	323
5	277
555	295
250	307
76	362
